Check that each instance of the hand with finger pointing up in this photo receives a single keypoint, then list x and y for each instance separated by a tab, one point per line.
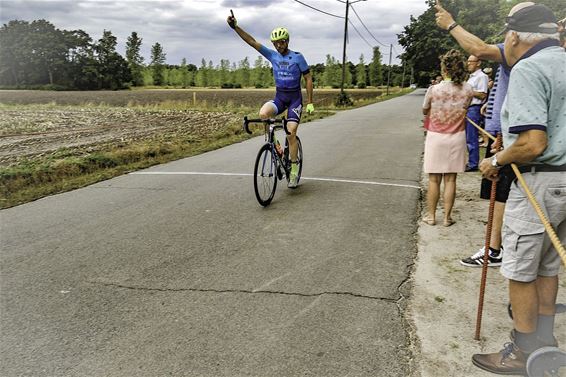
443	18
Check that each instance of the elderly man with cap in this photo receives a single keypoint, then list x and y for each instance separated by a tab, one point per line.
533	121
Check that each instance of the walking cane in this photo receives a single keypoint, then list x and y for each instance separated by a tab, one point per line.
548	227
486	251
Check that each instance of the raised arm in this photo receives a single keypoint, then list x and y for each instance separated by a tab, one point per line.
245	36
469	42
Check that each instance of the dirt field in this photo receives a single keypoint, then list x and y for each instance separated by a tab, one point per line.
38	132
37	124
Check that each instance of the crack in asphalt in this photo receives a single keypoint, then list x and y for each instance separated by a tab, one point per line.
140	288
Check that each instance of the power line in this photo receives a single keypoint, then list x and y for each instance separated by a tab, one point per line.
351	23
318	10
356	13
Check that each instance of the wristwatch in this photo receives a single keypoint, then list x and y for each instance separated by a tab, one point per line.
494	162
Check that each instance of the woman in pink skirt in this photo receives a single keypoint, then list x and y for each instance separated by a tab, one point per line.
445	108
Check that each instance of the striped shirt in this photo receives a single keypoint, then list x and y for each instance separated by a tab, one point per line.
497	96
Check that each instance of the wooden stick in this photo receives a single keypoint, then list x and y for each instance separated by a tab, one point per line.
486	253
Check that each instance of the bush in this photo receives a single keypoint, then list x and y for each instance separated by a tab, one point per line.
343	99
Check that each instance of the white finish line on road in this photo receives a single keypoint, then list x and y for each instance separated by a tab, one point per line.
249	175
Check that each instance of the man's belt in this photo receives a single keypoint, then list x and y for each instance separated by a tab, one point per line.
477	104
541	168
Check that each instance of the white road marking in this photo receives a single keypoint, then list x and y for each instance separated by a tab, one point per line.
248	175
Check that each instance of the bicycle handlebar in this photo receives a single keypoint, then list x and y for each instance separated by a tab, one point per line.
282	121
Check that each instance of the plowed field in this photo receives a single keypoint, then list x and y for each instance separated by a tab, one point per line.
43	122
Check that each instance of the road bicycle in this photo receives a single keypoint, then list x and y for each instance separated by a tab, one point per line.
272	162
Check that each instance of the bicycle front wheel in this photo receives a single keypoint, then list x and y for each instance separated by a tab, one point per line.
265	175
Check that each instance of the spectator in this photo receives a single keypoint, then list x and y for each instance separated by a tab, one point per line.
445	146
478	80
482	50
534	134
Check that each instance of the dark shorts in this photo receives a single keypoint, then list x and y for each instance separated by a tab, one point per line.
289	100
506	178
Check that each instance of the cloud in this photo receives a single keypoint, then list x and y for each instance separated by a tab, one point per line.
248	3
196	29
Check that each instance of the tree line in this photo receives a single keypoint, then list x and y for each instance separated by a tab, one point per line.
424	42
36	54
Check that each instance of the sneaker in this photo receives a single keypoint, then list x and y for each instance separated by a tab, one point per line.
476	260
293	181
293	175
510	360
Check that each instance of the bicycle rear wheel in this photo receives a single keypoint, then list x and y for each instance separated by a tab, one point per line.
265	175
299	157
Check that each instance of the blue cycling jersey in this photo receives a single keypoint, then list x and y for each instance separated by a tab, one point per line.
287	69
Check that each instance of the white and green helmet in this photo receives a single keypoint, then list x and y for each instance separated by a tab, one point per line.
279	33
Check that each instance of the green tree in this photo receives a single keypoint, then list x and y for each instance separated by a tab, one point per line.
186	77
113	68
361	73
32	53
332	73
157	62
14	52
259	73
243	73
134	58
83	71
317	72
48	49
212	74
224	79
375	70
202	77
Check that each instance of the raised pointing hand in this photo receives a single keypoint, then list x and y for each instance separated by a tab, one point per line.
443	18
232	20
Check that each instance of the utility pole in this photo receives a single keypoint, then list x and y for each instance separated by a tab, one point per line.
343	99
342	94
389	71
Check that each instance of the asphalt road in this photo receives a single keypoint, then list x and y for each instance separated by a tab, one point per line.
169	272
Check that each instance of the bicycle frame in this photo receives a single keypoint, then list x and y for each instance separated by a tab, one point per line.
270	126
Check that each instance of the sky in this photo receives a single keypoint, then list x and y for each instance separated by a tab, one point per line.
197	29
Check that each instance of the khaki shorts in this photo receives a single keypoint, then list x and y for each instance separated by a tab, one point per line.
528	250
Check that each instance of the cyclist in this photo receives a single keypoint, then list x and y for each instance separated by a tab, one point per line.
288	67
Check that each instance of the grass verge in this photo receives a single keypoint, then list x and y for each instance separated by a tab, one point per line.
65	170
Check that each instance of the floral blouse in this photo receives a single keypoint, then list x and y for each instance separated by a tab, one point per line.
448	104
